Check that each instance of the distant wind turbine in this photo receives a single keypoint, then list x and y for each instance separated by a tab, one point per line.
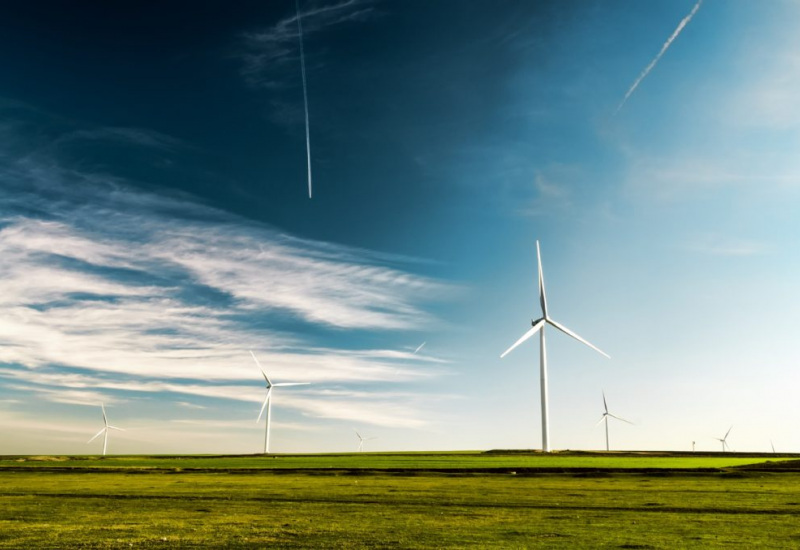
362	439
605	417
104	431
419	347
772	445
538	326
268	400
724	440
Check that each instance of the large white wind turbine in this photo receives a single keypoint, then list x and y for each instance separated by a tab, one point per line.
538	326
104	431
361	440
268	400
724	440
606	416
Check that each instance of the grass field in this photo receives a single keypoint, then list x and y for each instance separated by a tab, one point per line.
245	502
467	460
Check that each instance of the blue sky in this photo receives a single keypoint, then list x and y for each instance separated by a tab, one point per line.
155	224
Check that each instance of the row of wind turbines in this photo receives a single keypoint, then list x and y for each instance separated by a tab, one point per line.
266	406
537	326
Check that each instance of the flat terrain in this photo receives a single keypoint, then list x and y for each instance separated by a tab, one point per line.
637	500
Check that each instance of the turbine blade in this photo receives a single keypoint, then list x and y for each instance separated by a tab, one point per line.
115	428
419	347
105	418
264	406
620	418
98	434
726	433
600	421
260	368
568	332
604	402
542	294
536	326
291	384
255	359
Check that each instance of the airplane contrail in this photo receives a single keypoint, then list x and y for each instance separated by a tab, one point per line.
419	347
667	44
305	94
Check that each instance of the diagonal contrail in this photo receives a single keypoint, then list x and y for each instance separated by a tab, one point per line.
664	48
305	94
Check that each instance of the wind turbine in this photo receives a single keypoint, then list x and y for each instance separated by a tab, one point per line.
104	431
268	400
724	440
538	326
361	441
605	417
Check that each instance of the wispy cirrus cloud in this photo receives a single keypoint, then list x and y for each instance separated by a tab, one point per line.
717	245
270	48
106	290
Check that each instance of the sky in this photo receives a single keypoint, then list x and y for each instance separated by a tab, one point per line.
155	224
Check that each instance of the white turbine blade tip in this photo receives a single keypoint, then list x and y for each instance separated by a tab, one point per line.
536	326
600	421
568	332
98	434
283	384
620	418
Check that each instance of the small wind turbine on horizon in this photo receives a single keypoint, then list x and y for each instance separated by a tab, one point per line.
361	440
104	431
538	326
724	440
268	400
605	417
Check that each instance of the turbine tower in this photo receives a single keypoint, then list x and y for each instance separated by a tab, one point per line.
361	441
268	400
605	417
104	431
724	440
538	326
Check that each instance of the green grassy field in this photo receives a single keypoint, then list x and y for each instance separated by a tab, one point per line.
140	502
467	460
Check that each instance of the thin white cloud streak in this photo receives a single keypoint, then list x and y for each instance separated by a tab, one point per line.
685	21
66	396
725	246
